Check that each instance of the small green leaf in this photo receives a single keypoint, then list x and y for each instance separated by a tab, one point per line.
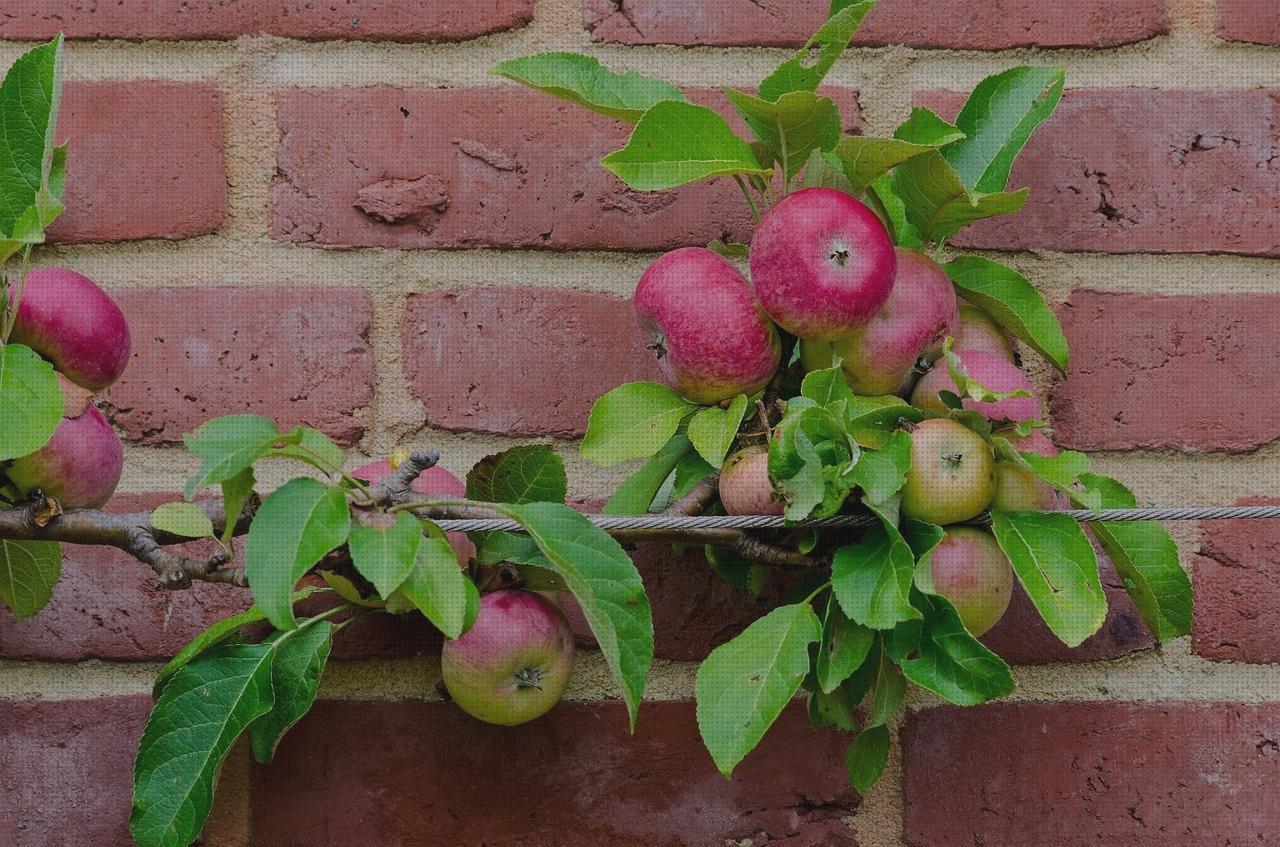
888	689
893	211
294	528
633	421
385	556
952	663
235	491
185	519
30	401
792	127
881	473
227	446
865	159
1013	301
811	458
28	572
873	420
730	249
843	649
584	81
745	683
440	590
311	446
519	475
636	493
938	203
872	578
677	143
826	386
712	429
804	71
866	758
1058	569
1060	471
295	678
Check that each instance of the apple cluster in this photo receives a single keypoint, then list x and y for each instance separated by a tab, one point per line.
72	323
824	269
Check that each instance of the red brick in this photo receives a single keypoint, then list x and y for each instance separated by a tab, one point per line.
1249	20
1237	609
145	160
519	361
401	20
298	355
519	168
1163	775
982	25
426	774
67	770
1155	371
1144	171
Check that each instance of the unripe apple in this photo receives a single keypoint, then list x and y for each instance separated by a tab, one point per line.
79	466
434	480
821	263
745	488
952	473
969	569
978	332
72	322
1018	489
514	663
920	313
988	370
709	334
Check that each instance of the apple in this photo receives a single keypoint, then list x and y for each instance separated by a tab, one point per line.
1018	489
952	473
978	332
745	488
990	371
970	570
710	336
434	480
514	663
79	466
821	263
920	313
72	322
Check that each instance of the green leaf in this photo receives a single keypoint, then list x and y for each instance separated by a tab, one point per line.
745	683
872	578
810	460
227	446
873	420
310	446
826	386
584	81
1146	559
938	203
235	491
1013	301
888	689
997	120
804	71
384	556
185	519
636	493
866	758
952	663
519	475
843	649
864	159
217	633
730	249
607	585
712	429
29	100
30	401
295	678
792	127
1058	569
677	143
633	421
893	211
440	590
881	473
28	572
294	528
1060	471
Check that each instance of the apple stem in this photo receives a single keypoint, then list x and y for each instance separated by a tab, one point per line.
755	212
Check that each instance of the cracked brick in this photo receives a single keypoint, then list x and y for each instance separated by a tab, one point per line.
1237	609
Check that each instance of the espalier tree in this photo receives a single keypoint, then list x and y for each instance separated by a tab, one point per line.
865	370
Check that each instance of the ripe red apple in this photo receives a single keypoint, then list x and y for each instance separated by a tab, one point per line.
80	465
921	311
821	263
1019	490
514	664
744	484
72	322
978	332
969	569
711	338
952	474
434	480
991	371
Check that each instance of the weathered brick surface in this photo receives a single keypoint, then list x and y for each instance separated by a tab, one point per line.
66	770
1249	20
455	168
1152	371
1133	170
980	25
296	355
527	361
144	160
1163	775
392	20
427	774
1237	607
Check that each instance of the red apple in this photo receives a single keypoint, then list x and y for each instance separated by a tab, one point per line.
80	465
988	370
514	663
434	480
821	263
952	473
969	569
978	332
711	338
70	321
744	484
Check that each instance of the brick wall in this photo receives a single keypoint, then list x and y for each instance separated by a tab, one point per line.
217	155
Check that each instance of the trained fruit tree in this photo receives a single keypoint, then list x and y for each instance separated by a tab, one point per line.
846	363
